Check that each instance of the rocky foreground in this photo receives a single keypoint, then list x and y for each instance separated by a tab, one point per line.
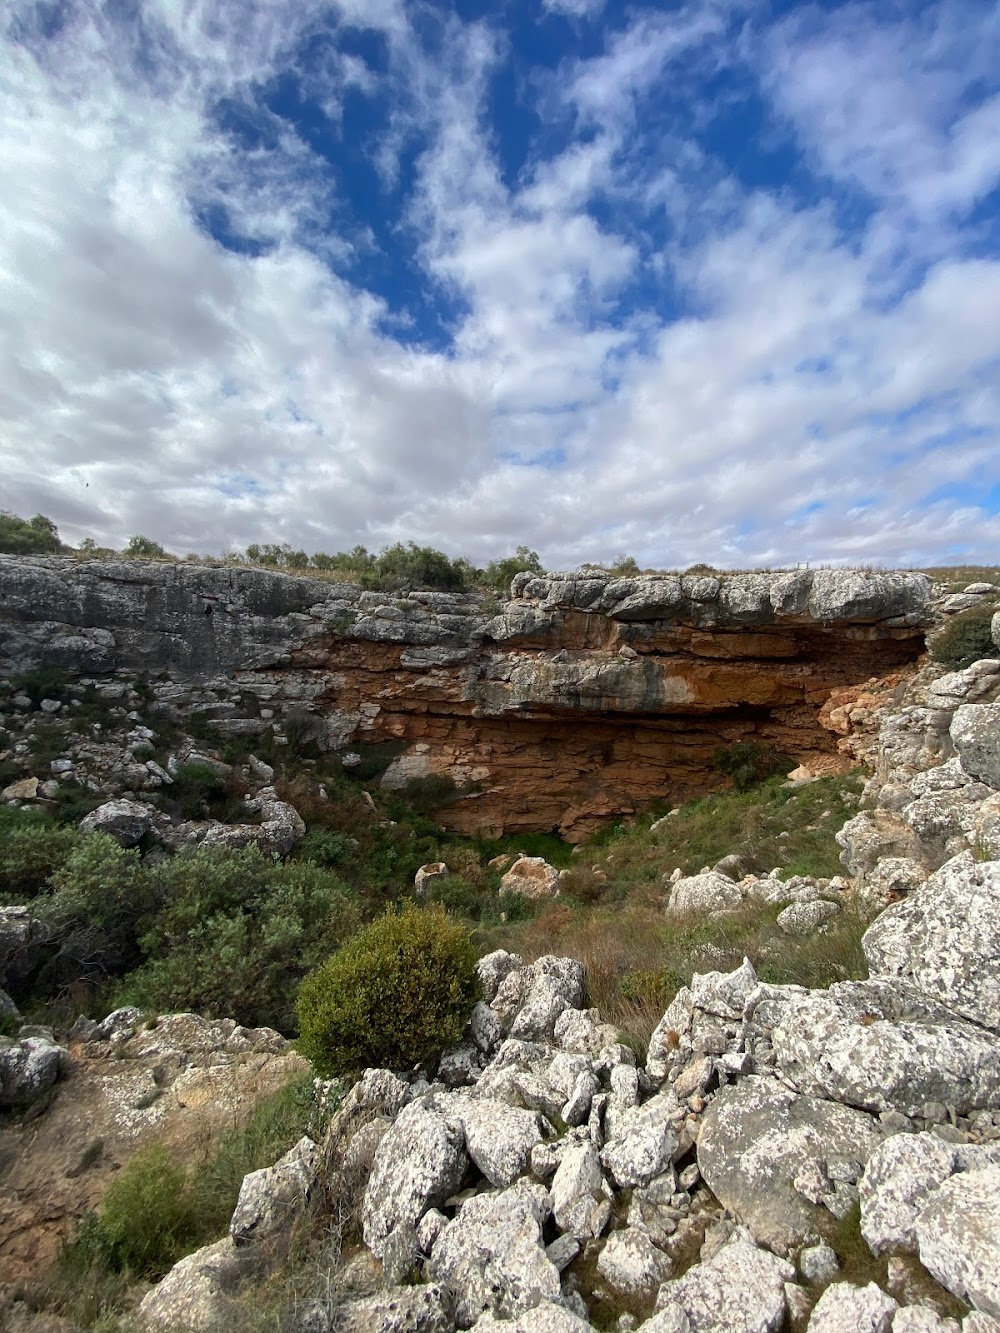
546	1182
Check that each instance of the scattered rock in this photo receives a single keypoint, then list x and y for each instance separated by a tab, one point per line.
531	877
845	1308
425	877
126	821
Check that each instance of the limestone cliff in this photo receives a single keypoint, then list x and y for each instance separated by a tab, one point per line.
579	699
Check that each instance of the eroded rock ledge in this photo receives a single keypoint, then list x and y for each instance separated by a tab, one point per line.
579	699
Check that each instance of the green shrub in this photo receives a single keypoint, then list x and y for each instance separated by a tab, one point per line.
325	847
146	1220
199	791
393	996
143	548
234	931
965	639
499	573
748	762
100	893
28	536
43	683
32	848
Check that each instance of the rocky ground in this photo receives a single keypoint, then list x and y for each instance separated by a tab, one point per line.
784	1159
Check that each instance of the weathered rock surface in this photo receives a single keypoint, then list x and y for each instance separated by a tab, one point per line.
975	734
531	877
944	939
423	1309
632	1264
418	1164
785	1165
845	1308
880	1045
740	1290
273	1199
197	1293
125	821
895	1187
492	1254
958	1236
181	1082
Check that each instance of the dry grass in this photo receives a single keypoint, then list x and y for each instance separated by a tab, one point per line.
957	577
638	956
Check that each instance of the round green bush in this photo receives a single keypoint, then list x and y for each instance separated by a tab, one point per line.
966	638
392	997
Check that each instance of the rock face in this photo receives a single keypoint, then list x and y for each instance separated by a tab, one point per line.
181	1082
534	711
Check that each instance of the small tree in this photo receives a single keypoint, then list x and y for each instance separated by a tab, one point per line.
28	536
498	573
143	548
393	996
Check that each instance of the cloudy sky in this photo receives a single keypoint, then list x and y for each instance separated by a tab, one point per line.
715	280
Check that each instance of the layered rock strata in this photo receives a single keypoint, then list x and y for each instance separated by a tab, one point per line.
579	699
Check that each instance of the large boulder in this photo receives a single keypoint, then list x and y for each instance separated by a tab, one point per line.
944	939
198	1292
708	892
28	1068
422	1309
896	1184
492	1255
498	1138
975	734
273	1199
881	1045
418	1164
126	821
958	1235
631	1263
531	877
845	1308
580	1195
784	1164
740	1290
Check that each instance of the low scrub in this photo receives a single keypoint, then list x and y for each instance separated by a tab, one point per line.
394	996
965	639
233	932
32	849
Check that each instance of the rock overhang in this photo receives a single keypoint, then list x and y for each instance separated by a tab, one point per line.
581	698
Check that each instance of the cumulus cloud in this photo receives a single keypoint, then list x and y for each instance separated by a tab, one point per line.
305	272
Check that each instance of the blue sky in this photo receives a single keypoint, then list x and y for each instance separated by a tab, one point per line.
703	281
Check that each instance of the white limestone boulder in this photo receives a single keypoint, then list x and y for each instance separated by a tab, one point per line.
898	1179
740	1290
944	939
958	1237
783	1164
975	734
418	1164
845	1308
631	1263
493	1257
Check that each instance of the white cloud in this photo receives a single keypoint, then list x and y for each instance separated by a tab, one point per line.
802	401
